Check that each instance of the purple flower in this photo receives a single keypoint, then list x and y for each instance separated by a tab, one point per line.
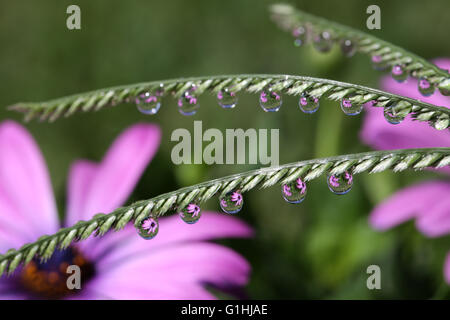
428	202
177	264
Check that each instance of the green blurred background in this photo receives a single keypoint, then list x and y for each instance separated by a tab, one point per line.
319	249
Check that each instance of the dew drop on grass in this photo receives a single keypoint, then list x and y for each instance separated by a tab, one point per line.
399	73
350	108
348	47
148	102
227	98
392	115
377	63
300	36
425	87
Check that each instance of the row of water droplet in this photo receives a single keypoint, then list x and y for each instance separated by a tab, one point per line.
270	101
324	41
232	202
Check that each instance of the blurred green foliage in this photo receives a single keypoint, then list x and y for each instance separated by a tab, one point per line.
319	249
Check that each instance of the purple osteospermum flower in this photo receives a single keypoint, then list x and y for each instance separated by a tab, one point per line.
427	202
116	266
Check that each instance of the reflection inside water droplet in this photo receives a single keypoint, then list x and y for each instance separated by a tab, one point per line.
294	191
340	184
191	214
270	100
148	228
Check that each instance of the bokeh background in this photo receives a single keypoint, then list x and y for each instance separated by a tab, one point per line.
319	249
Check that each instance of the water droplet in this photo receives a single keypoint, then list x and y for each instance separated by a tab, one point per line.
232	202
350	108
300	34
148	228
444	87
308	104
295	191
399	73
348	47
191	214
377	62
188	102
269	100
149	103
425	87
392	115
323	41
340	184
227	99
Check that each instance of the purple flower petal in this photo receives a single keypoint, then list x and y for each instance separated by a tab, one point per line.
114	179
176	272
26	197
415	201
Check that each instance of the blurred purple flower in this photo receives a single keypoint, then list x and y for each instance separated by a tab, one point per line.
177	264
428	202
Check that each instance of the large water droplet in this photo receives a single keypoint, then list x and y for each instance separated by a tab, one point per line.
425	87
392	115
294	191
232	202
348	47
191	214
323	42
444	87
149	103
371	103
399	73
188	102
148	228
308	104
227	99
340	184
350	108
377	62
269	100
300	34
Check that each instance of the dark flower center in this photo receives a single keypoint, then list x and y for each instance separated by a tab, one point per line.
49	279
